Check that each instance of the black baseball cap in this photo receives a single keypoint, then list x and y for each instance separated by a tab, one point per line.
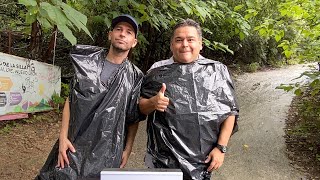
125	18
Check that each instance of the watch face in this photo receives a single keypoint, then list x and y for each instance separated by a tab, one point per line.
223	149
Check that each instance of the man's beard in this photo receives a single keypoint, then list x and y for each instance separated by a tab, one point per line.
119	49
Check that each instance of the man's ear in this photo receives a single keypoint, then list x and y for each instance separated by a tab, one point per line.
134	43
201	44
109	36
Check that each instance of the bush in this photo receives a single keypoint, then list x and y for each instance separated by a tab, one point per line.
65	90
253	67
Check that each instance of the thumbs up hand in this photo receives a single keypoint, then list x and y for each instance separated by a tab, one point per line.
159	101
162	90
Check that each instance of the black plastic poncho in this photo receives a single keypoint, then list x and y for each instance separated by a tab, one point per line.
201	97
98	115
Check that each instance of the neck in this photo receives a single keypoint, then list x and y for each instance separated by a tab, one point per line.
116	57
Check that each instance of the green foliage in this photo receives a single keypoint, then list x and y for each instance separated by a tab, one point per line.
310	109
219	22
10	16
244	31
299	17
8	127
56	13
65	90
286	87
301	130
298	88
253	67
57	100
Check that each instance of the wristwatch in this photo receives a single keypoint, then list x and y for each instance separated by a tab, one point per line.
222	148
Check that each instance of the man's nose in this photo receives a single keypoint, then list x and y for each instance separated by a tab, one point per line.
122	33
185	43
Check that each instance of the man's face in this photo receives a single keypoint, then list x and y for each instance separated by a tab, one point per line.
122	37
186	44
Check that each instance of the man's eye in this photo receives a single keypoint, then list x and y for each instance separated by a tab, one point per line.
178	40
191	40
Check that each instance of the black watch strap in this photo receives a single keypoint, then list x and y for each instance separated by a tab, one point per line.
222	148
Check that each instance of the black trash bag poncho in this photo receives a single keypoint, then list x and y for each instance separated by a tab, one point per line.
201	97
98	115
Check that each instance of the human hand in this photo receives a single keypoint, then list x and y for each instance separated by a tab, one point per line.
216	158
125	156
159	101
64	145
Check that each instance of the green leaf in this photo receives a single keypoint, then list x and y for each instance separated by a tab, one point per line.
144	18
201	11
30	17
298	92
56	2
283	12
74	13
107	22
236	30
277	37
242	36
315	91
67	34
282	33
315	83
54	13
122	3
245	25
142	39
186	8
262	31
44	23
238	7
287	53
248	16
76	18
33	10
28	2
286	88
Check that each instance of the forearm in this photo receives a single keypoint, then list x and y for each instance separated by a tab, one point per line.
226	130
65	120
132	131
146	106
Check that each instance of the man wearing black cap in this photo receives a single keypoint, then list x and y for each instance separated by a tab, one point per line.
100	117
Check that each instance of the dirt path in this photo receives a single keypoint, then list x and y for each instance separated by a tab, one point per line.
256	152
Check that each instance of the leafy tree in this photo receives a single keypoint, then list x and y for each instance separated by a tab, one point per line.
220	22
297	29
55	13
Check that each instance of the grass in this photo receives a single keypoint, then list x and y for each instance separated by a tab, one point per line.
50	116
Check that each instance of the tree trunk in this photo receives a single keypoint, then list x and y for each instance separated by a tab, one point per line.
48	54
34	47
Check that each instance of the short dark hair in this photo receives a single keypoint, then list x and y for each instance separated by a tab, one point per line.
187	22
